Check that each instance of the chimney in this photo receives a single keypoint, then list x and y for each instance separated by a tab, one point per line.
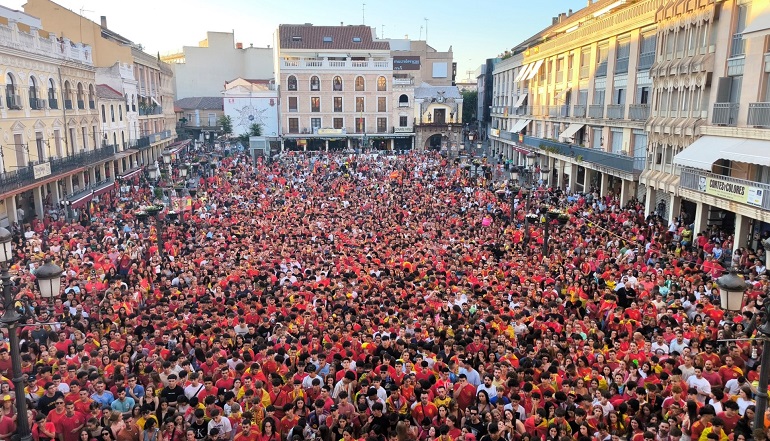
342	24
589	2
569	13
554	20
239	45
104	21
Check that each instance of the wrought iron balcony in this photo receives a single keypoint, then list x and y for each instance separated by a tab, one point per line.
616	111
614	161
53	103
596	111
725	114
759	115
579	110
690	179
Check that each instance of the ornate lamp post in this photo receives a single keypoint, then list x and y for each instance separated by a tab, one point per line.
49	281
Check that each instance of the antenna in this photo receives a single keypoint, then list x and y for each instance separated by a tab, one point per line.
363	13
82	10
383	31
426	29
420	34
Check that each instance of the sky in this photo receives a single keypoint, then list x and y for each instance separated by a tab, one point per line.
476	30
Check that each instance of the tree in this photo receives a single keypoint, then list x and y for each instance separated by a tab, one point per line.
255	129
470	102
227	124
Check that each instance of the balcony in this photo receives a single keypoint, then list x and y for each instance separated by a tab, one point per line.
147	111
690	179
725	114
558	111
325	64
596	111
36	104
13	102
403	104
646	61
616	111
620	162
50	46
621	65
53	103
21	177
68	104
579	110
601	70
759	115
639	112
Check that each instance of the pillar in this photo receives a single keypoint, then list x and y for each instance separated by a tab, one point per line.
560	175
625	191
55	195
701	218
587	179
604	184
68	184
348	143
675	209
411	137
282	145
10	204
572	178
121	168
649	200
326	145
37	194
741	230
92	175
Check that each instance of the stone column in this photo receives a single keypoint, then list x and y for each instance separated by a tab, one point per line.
55	196
741	230
37	195
10	204
605	182
326	145
701	218
625	191
572	177
676	207
649	201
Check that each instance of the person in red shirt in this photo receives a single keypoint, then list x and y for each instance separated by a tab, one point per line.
464	393
69	425
424	409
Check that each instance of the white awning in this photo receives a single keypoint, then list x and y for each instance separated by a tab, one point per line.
560	95
570	131
751	151
520	101
703	152
760	26
155	101
522	72
535	70
520	124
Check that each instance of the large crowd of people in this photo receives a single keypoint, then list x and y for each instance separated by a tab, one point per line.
382	298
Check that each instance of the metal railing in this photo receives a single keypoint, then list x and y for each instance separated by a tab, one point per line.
646	61
13	101
35	103
628	164
21	177
621	65
616	111
725	114
601	70
68	104
639	112
759	115
596	111
53	103
690	179
579	110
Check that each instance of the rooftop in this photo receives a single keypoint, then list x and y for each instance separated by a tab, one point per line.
200	103
107	92
307	36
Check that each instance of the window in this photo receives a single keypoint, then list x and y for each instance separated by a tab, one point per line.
293	104
359	84
10	90
315	104
112	113
296	38
643	95
619	96
359	104
328	39
339	123
315	124
360	125
382	125
81	97
403	100
52	94
403	121
337	83
293	125
382	104
338	104
120	112
104	114
356	39
291	82
315	83
382	84
33	92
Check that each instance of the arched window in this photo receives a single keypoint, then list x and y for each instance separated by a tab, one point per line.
359	84
104	114
403	100
33	102
112	113
67	95
91	97
337	83
120	112
81	97
315	83
382	84
291	82
52	94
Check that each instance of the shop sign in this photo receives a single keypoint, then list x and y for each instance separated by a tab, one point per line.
732	191
41	170
495	132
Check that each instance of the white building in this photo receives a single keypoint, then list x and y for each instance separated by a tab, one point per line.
252	101
120	78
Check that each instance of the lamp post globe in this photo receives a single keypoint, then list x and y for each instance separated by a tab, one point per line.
49	279
731	288
5	245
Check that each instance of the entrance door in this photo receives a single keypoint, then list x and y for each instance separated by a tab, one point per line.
439	116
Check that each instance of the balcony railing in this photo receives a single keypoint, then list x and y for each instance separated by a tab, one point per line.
13	101
558	111
621	65
759	115
584	70
639	112
49	45
725	114
337	64
616	111
738	46
596	111
36	104
21	177
579	110
690	179
646	61
628	164
53	103
601	70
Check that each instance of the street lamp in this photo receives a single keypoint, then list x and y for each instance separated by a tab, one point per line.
731	289
49	281
544	173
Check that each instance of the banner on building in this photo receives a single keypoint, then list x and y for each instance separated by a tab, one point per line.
732	191
406	62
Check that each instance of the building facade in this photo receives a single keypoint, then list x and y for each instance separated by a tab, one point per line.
200	71
249	102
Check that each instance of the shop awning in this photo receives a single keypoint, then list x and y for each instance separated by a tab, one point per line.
526	71
751	151
703	152
760	26
522	73
520	101
570	131
131	173
535	70
520	124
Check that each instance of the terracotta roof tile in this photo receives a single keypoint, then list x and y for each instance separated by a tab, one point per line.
329	37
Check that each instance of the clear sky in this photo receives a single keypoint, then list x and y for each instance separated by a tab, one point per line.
475	30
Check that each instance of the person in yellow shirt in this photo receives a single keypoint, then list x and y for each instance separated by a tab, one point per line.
717	428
